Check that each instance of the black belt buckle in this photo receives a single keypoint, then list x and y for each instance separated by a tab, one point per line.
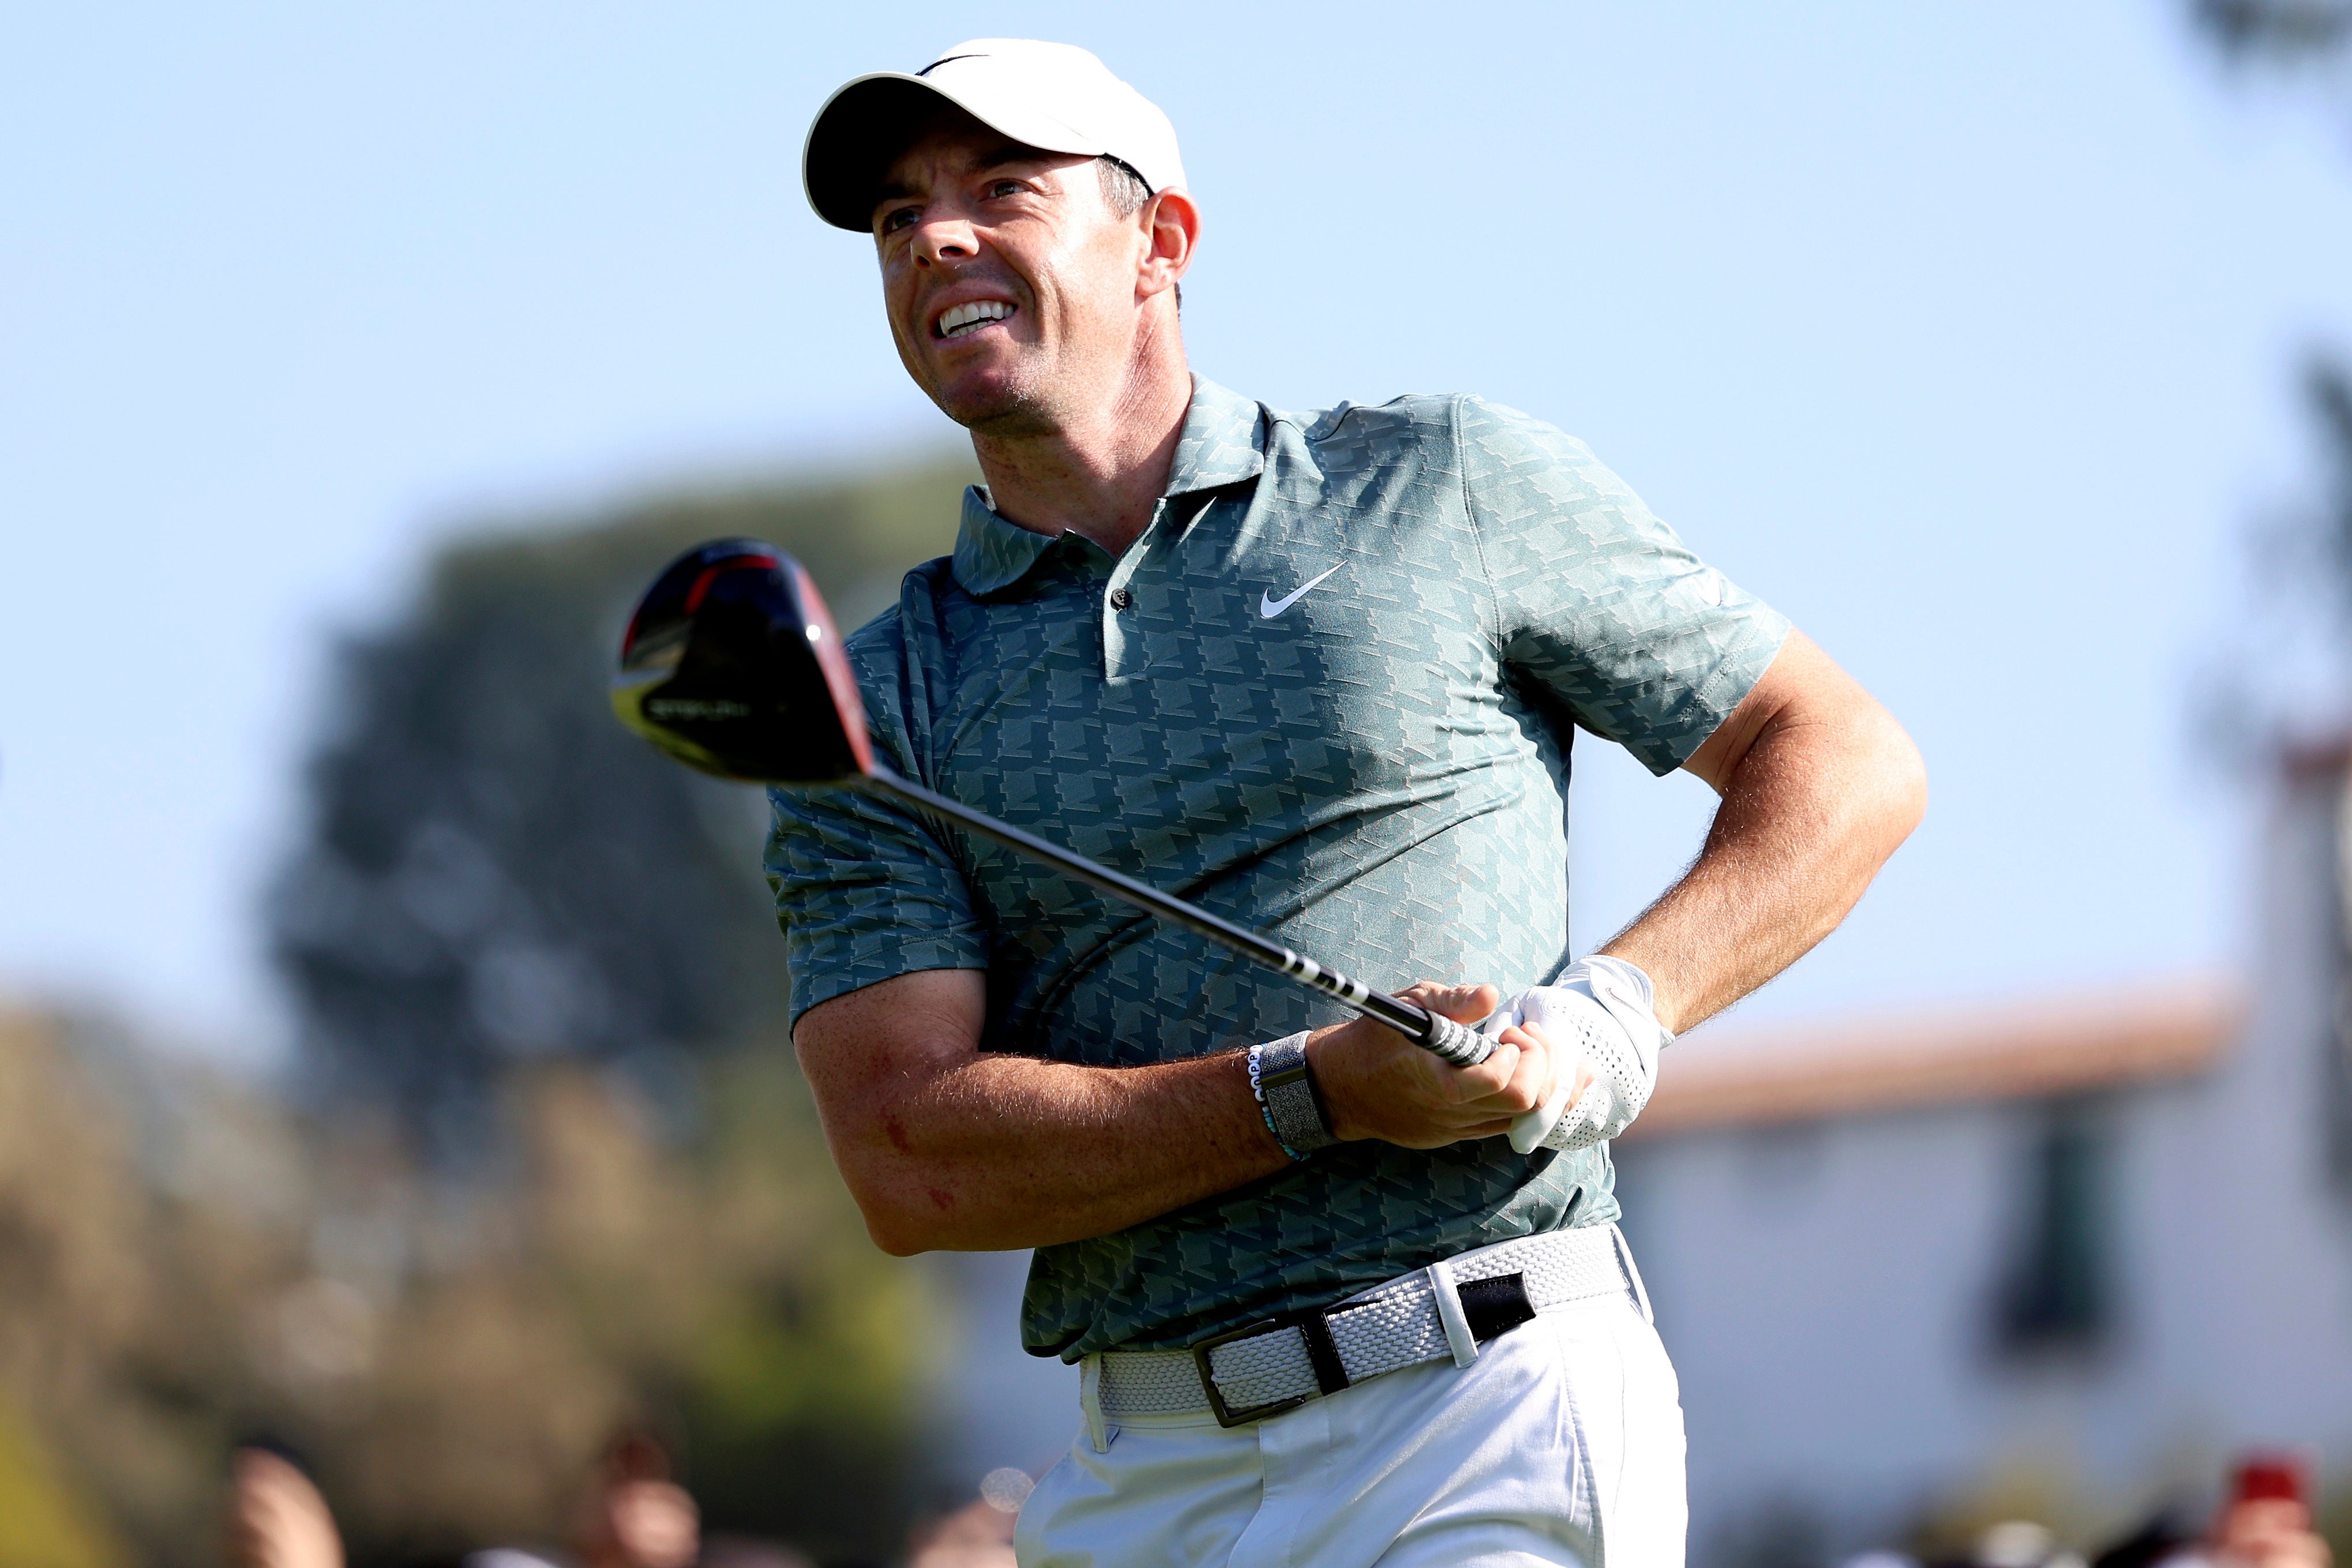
1330	1376
1226	1415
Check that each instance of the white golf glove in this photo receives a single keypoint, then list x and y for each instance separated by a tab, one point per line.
1599	1009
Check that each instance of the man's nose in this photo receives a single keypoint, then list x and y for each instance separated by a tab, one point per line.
945	240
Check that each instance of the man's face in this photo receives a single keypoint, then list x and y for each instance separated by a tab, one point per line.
1010	281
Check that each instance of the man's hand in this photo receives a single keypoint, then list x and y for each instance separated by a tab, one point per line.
1375	1083
1599	1008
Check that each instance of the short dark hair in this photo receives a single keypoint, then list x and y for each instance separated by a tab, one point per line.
1123	189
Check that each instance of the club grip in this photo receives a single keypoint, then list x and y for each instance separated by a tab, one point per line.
1457	1043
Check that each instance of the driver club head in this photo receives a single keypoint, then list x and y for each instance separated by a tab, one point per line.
732	665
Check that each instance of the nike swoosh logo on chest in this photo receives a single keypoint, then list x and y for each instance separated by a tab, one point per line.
1268	606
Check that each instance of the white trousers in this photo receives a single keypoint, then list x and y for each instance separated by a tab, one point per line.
1562	1443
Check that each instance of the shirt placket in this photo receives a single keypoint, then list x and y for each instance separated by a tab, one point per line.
1123	647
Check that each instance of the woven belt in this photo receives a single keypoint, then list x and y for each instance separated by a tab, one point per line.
1434	1313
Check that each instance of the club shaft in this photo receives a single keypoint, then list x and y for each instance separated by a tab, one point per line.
1413	1023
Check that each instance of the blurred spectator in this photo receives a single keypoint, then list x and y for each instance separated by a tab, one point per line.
2021	1543
975	1536
2264	1522
979	1534
639	1517
2267	1521
2008	1544
636	1517
276	1517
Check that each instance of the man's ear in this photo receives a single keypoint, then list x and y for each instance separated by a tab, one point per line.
1172	222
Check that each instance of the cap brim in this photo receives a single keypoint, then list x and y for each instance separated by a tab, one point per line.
863	128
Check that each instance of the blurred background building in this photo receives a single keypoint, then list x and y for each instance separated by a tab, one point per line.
398	1076
2058	1262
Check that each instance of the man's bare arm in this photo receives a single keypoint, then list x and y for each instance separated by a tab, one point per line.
946	1146
1820	785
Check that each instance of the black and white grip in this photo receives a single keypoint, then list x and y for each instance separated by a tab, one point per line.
1457	1043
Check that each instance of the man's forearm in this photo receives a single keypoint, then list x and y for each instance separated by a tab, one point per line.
1104	1148
1827	788
944	1147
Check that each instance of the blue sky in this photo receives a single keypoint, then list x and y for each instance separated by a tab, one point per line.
1961	334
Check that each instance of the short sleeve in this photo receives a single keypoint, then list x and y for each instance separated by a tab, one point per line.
865	892
1597	601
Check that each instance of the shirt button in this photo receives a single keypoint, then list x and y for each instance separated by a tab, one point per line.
1120	598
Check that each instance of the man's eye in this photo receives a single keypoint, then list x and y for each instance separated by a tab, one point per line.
893	221
1005	188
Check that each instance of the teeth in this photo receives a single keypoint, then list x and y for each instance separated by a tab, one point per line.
961	318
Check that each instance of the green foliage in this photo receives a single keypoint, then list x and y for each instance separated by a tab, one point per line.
41	1524
795	1398
142	1235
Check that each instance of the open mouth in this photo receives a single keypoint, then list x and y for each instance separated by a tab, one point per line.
962	321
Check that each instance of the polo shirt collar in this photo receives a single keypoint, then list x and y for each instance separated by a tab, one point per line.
989	552
1220	445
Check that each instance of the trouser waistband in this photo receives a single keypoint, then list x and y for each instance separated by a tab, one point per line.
1429	1314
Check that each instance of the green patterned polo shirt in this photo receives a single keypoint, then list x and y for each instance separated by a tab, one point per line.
1329	693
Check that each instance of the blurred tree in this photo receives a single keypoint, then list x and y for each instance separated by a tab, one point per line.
146	1206
528	949
2285	667
2328	390
2289	30
725	1297
495	871
183	1261
41	1523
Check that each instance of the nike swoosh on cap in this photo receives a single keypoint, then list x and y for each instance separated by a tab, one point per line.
1268	606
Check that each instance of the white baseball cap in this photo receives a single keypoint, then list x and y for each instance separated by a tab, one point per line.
1055	97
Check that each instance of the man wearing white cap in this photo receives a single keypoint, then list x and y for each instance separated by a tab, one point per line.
1321	673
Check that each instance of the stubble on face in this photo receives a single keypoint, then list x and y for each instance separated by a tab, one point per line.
967	219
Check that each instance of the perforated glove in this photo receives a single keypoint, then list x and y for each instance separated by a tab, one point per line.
1600	1009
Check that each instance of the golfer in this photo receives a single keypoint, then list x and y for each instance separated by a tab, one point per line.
1319	672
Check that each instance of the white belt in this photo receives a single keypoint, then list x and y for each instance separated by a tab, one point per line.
1442	1310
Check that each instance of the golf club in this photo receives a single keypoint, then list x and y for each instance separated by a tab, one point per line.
732	665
